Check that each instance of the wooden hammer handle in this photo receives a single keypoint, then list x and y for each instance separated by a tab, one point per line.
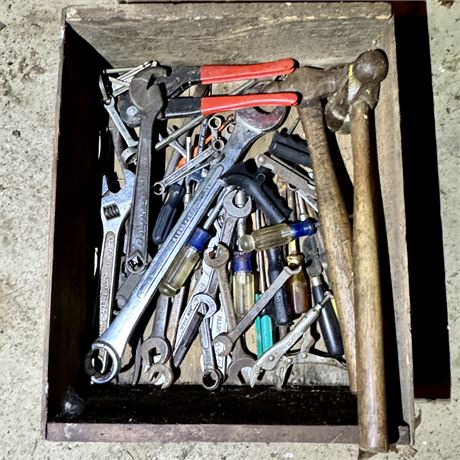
367	294
335	227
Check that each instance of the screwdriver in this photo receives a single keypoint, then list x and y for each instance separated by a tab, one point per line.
277	235
263	323
188	257
298	286
243	278
328	322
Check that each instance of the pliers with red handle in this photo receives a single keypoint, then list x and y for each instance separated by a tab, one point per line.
183	77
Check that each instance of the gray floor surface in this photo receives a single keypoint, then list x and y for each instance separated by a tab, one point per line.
29	57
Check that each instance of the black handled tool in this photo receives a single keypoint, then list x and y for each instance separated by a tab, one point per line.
290	148
168	211
328	322
256	184
279	309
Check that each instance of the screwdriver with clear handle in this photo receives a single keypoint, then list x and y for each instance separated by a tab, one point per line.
189	256
277	235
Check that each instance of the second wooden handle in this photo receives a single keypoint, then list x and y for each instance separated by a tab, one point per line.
335	227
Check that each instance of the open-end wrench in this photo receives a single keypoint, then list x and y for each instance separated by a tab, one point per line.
228	340
157	347
233	214
115	208
162	374
109	105
250	125
190	167
269	360
240	359
212	377
149	100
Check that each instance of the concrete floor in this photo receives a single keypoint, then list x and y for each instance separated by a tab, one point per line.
29	46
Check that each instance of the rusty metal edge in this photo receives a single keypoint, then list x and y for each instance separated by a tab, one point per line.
51	225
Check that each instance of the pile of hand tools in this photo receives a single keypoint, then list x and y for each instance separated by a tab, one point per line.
213	239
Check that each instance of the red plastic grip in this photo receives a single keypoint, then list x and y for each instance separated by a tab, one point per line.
222	73
216	104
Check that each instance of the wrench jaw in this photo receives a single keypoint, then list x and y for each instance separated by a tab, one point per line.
113	363
155	349
260	120
236	368
158	371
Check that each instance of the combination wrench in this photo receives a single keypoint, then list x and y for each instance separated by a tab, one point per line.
229	339
240	359
157	347
250	125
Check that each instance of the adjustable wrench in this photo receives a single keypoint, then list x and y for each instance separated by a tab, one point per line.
115	208
250	125
228	340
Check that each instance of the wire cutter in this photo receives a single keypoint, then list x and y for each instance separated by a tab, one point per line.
177	79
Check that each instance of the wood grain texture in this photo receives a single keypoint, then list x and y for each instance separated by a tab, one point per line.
390	165
205	33
335	228
370	369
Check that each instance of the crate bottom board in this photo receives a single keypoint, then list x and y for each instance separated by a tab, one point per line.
191	413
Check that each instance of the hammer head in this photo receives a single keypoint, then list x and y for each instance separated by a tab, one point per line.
362	84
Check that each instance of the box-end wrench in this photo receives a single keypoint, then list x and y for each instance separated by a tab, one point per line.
250	125
196	164
115	208
229	339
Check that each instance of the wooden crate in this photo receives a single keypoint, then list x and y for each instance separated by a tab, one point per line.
317	34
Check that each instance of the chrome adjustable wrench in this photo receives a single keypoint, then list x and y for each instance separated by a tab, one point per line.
250	125
115	208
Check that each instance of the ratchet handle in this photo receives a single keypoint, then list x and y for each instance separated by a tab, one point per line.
328	322
168	211
224	73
